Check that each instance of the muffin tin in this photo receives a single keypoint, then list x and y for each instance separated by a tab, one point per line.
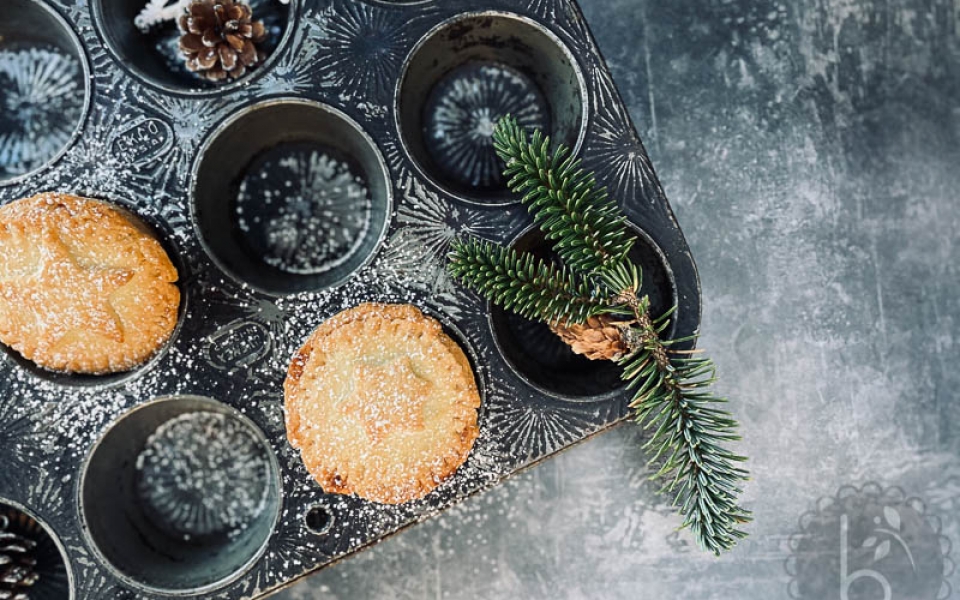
335	173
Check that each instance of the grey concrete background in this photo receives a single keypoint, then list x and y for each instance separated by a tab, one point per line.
811	150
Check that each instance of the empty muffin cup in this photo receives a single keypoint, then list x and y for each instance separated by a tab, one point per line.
291	196
542	359
145	39
468	73
33	561
180	495
44	90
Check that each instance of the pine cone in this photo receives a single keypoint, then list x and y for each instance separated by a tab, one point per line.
599	338
220	38
16	564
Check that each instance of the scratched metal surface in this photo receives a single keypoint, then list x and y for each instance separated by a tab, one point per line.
810	150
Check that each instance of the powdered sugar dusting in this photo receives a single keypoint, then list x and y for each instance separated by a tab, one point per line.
235	341
303	210
203	473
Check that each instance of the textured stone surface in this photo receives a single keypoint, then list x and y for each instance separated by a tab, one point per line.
811	150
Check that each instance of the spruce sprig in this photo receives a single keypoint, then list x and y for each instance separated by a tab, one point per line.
523	283
671	387
586	227
672	399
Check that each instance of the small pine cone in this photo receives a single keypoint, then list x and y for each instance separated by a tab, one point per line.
599	338
17	564
219	38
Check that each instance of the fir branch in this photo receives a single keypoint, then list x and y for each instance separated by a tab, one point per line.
523	283
671	396
673	401
587	229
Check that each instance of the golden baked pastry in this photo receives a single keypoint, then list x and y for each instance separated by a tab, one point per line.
381	403
84	287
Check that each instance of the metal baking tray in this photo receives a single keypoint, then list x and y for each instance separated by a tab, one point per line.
371	82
